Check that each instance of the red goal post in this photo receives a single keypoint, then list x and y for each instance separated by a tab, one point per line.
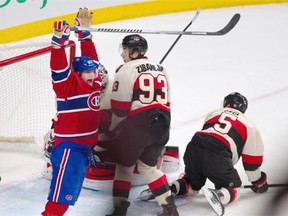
27	98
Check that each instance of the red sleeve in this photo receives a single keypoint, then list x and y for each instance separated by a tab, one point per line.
58	60
88	49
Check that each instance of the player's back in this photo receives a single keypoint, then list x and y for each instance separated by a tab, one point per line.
230	127
141	85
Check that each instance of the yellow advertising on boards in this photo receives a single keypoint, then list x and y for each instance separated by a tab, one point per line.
37	16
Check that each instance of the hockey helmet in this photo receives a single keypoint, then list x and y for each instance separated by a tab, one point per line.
237	101
84	63
135	42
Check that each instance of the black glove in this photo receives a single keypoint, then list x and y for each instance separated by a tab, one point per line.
260	186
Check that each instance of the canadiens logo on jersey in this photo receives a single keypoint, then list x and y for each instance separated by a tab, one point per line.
94	101
69	197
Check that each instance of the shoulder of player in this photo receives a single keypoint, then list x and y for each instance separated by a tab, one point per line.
220	111
240	117
142	65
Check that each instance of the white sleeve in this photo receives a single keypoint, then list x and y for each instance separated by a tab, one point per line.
254	147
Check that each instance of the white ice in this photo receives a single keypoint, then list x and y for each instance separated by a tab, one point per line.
251	59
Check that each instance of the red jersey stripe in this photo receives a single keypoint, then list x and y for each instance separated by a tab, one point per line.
123	185
158	183
249	159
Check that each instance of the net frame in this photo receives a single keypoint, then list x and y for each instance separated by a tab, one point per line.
18	55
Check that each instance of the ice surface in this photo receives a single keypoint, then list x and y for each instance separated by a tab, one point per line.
251	59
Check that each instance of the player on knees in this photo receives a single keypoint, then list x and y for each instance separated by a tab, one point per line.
227	134
140	101
76	128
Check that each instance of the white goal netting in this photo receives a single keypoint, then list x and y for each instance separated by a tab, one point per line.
27	98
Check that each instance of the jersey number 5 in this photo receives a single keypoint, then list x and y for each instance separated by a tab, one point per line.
225	124
153	88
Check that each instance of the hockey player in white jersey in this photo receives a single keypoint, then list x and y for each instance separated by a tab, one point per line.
140	101
211	154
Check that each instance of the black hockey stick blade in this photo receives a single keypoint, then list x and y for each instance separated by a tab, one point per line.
269	185
233	22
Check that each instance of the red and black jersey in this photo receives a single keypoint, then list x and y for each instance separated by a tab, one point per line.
234	132
140	85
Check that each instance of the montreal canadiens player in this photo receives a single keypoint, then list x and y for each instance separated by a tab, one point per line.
78	103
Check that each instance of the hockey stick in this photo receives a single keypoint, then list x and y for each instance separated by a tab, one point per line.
179	36
269	185
234	20
147	195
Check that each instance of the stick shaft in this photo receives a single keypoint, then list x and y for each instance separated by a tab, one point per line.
234	20
179	36
269	185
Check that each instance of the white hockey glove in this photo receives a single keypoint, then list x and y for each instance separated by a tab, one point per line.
83	20
48	145
61	34
104	75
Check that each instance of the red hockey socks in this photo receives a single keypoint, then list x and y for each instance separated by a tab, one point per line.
55	209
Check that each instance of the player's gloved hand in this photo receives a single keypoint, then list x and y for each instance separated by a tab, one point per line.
260	186
61	34
83	20
48	145
104	75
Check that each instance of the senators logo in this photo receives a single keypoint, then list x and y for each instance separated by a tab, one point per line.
94	101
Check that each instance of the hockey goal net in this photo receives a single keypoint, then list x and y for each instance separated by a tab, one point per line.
27	98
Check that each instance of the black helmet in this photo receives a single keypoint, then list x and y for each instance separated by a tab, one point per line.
237	101
135	42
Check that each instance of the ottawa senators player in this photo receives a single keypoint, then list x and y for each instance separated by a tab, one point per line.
140	102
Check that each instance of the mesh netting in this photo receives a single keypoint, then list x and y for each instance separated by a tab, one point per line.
27	98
